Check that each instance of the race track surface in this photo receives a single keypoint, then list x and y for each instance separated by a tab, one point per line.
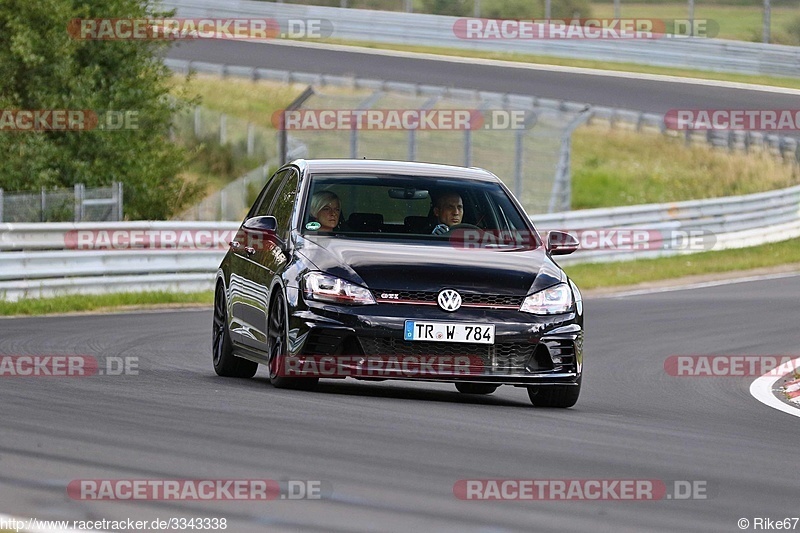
390	453
605	90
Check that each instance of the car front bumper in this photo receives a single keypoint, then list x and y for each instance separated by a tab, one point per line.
367	342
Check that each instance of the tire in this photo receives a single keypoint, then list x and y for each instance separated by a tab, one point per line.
476	388
277	342
225	363
555	396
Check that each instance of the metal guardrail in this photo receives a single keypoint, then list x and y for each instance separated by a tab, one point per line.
721	223
437	30
77	204
34	260
784	147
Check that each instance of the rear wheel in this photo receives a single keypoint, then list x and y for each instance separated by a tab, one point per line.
225	363
555	396
476	388
277	342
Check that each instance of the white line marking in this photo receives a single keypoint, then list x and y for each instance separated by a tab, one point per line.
761	389
112	312
701	285
539	67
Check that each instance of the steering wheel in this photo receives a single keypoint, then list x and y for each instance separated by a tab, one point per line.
462	226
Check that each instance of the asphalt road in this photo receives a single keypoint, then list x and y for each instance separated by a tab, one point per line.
636	94
388	454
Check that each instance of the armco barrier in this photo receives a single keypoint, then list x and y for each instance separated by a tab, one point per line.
35	261
436	30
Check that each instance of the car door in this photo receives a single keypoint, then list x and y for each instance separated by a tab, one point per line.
245	311
261	259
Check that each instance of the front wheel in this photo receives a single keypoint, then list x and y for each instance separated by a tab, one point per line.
555	396
476	388
277	342
225	363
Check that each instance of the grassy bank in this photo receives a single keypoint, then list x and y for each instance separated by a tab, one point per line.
623	273
620	167
102	302
741	23
610	167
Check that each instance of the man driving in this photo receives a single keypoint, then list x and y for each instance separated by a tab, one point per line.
448	210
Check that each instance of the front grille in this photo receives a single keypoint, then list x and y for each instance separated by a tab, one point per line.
482	300
515	355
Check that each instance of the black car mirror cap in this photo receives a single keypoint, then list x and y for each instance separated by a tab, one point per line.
561	243
265	225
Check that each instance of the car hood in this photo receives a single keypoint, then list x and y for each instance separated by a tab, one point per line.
420	266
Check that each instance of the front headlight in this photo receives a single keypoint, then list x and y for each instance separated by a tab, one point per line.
557	299
326	288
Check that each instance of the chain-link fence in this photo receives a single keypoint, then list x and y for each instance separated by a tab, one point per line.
520	141
244	138
233	201
100	204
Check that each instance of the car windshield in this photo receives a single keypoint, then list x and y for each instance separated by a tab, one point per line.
473	213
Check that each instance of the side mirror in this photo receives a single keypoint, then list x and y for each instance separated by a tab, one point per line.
561	243
255	233
264	225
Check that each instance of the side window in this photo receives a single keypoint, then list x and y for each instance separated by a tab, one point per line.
284	203
261	207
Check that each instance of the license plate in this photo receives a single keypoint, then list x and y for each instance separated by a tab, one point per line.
449	332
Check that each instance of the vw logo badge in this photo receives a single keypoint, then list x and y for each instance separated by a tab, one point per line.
449	300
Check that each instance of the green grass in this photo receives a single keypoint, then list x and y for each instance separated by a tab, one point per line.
213	166
254	101
620	167
610	167
595	275
741	23
101	302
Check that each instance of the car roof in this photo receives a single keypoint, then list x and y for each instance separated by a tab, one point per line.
406	168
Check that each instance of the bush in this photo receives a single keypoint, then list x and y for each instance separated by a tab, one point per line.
528	9
512	9
793	31
44	68
567	9
454	8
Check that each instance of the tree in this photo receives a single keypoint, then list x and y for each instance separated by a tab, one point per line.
42	67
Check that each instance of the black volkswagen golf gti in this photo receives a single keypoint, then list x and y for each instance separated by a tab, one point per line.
396	270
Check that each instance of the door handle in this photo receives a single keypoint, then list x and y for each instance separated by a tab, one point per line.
235	245
250	250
